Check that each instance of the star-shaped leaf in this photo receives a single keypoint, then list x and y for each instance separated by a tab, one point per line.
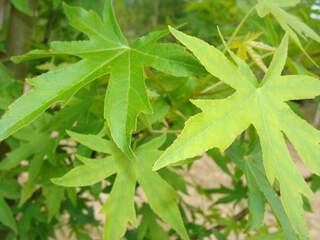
106	51
119	208
263	105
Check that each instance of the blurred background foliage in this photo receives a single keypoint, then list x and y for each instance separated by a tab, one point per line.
26	25
137	17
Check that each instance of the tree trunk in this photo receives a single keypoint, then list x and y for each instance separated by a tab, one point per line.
19	38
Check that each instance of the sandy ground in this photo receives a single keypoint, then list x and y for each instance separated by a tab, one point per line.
211	176
206	173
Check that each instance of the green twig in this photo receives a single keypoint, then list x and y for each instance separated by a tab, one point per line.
235	33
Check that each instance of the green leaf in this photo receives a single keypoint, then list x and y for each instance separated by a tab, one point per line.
255	171
9	87
126	98
262	6
47	90
290	23
39	146
35	144
109	17
267	236
5	76
252	167
9	188
262	105
106	51
54	196
6	216
23	6
174	179
34	172
14	157
92	141
163	199
88	174
256	203
119	208
149	228
163	109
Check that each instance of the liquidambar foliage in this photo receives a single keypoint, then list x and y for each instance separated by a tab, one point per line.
128	118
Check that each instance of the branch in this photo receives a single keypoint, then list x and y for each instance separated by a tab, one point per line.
239	216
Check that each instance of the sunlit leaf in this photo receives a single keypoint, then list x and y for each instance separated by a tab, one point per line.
263	105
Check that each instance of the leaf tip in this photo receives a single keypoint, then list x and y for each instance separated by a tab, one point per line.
56	181
67	8
4	133
65	5
70	133
158	165
172	30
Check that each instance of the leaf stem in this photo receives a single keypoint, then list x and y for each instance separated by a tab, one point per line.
172	103
166	131
238	28
210	88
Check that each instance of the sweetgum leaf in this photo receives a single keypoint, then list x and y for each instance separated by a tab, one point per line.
105	52
263	105
119	208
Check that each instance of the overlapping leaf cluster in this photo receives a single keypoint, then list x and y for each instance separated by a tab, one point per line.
290	23
131	162
263	105
119	207
107	52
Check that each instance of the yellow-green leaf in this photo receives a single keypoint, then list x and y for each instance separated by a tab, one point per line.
263	105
